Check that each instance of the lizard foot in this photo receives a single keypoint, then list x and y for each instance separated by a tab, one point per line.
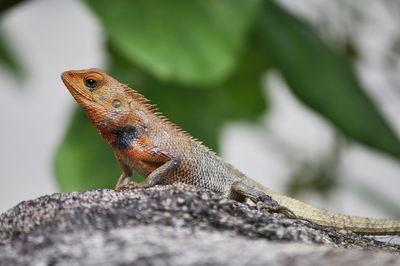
266	202
276	208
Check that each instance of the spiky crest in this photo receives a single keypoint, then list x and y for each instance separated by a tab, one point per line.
152	108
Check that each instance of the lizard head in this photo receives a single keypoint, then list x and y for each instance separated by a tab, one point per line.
107	102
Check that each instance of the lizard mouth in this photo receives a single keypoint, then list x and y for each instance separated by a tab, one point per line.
76	91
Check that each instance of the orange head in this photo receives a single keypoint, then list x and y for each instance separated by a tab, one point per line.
108	103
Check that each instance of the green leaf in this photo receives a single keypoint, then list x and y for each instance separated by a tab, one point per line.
84	160
191	42
241	96
322	79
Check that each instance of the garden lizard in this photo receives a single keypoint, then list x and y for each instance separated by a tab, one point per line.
145	141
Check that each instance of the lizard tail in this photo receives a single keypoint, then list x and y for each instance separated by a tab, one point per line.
361	225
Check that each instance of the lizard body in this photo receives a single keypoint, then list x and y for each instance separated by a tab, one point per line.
147	142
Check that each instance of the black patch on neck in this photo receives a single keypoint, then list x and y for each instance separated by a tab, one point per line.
125	136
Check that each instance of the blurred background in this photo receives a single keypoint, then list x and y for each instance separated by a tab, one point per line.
302	96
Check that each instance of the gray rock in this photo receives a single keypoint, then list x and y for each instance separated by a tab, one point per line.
172	225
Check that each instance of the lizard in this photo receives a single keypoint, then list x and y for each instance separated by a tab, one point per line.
143	140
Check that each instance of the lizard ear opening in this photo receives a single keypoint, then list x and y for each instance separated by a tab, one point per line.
116	103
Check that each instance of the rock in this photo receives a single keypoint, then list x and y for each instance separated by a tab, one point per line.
172	225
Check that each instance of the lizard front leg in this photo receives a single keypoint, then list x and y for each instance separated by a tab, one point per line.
241	191
159	163
126	175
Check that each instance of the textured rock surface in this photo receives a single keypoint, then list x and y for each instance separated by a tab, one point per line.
168	225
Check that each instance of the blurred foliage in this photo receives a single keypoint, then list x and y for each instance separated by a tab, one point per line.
195	42
318	175
7	4
323	80
7	57
202	62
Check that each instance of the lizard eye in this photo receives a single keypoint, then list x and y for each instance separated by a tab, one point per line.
91	82
116	104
